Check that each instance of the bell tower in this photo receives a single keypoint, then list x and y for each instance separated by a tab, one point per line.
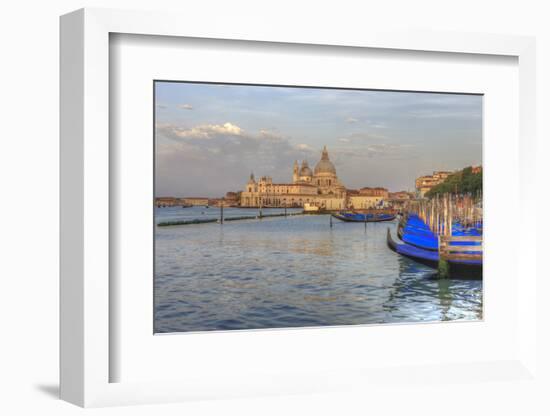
324	154
295	173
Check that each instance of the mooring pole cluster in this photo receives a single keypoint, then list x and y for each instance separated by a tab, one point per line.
440	213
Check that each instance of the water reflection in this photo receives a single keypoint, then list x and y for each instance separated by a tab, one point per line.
457	299
295	271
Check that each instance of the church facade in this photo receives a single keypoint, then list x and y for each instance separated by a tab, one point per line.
320	188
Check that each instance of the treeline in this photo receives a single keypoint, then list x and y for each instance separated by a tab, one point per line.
462	182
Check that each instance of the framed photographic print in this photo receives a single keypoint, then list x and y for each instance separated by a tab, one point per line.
273	214
301	246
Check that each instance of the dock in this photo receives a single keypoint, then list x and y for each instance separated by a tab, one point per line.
457	248
445	232
222	219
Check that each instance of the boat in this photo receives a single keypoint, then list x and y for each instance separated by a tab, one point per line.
358	217
310	207
465	267
427	257
415	232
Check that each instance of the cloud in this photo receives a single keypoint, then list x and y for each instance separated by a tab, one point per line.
185	106
269	134
203	131
228	139
211	159
380	150
376	125
362	137
162	106
373	137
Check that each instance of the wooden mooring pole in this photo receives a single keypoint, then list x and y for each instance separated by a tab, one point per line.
439	213
443	267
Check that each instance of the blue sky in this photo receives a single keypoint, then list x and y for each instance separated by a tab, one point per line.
209	137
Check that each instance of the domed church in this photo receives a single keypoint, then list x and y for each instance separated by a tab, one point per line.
320	188
323	176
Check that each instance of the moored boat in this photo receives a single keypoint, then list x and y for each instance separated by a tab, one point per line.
310	208
466	265
359	217
415	232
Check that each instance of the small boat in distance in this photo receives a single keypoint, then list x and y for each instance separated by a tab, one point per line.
358	217
310	207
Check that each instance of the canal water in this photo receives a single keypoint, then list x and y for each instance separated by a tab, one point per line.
292	272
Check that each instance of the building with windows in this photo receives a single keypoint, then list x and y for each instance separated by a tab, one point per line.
398	200
196	200
320	188
167	201
476	169
368	198
424	183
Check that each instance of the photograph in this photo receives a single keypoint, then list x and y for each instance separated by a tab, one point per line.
266	208
282	206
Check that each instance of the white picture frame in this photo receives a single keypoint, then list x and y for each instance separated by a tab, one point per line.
85	210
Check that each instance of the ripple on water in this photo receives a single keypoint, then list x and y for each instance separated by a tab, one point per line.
295	271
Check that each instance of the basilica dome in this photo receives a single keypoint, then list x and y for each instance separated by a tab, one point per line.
325	165
305	170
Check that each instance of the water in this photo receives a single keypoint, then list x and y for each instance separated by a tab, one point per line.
178	213
293	272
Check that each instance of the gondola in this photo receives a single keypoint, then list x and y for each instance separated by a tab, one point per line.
465	268
357	217
416	233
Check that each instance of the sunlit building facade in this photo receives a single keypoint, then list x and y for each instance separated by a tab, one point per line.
320	188
423	184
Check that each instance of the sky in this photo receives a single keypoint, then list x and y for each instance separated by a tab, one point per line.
210	137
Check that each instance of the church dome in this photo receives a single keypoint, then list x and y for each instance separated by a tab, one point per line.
305	170
325	165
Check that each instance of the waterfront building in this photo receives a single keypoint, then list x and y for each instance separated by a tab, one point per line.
368	198
196	201
166	201
424	183
232	198
476	169
320	188
400	196
217	202
399	199
170	201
